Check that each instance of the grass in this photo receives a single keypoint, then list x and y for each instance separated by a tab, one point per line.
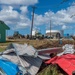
2	49
49	70
52	70
38	44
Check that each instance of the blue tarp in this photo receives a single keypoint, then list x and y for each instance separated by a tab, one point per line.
8	67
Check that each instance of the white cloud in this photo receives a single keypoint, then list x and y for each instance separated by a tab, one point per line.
61	17
21	19
19	2
64	27
24	9
38	20
14	18
9	14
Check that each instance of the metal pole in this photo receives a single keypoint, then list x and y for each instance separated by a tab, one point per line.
50	28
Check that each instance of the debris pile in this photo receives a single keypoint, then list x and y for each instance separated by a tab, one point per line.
30	60
68	48
65	60
23	55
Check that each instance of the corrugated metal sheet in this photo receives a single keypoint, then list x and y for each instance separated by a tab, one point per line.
44	56
49	50
66	65
23	49
68	48
31	64
66	62
25	56
28	50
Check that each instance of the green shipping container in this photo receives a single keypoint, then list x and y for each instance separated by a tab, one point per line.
3	28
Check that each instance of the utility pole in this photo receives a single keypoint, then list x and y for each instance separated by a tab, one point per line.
50	28
33	9
73	35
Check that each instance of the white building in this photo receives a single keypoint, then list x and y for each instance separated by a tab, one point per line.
54	33
34	32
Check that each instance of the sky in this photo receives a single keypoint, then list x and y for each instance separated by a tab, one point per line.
17	14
